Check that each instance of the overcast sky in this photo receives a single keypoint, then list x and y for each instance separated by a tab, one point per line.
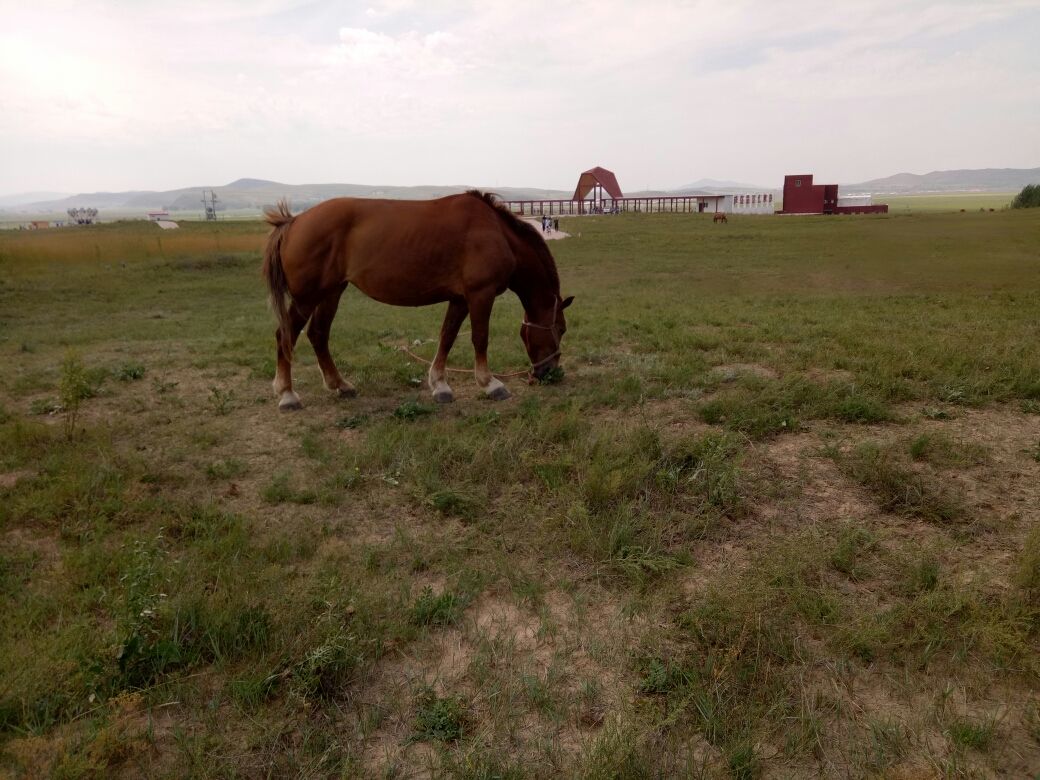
142	94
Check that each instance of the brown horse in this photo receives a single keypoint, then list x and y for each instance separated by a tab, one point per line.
719	217
463	249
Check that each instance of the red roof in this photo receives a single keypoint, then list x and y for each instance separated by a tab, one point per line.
594	176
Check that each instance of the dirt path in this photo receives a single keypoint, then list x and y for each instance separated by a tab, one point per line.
552	235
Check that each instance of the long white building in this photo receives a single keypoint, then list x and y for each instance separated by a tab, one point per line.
748	203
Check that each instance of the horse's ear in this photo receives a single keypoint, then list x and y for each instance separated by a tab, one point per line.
567	301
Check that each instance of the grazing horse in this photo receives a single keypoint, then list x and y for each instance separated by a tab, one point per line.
719	217
463	249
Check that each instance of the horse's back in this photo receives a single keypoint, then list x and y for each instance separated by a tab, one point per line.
401	252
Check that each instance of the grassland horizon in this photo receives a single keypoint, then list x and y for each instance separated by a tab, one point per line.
938	202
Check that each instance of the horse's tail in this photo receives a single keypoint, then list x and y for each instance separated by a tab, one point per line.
279	218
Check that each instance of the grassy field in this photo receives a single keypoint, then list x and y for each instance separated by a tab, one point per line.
781	518
969	201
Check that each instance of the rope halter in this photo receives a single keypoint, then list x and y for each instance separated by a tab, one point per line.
553	329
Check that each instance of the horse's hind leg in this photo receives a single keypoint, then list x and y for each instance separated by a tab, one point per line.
287	399
457	311
318	332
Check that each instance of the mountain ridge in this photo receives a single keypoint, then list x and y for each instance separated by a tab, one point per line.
958	180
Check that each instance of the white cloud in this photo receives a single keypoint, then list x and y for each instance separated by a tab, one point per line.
422	55
386	8
399	91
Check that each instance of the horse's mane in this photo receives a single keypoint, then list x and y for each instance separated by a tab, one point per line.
523	230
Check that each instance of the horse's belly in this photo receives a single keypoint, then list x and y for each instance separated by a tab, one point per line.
400	290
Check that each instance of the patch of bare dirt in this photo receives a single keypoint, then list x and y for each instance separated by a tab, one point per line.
675	415
825	375
550	235
502	619
731	372
570	643
43	544
12	478
797	486
711	560
1001	489
1009	477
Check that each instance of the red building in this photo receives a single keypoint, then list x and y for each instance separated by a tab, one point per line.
597	181
801	196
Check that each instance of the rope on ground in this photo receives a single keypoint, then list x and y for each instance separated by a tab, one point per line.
421	359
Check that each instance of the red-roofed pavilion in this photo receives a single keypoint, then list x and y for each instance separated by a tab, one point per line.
597	181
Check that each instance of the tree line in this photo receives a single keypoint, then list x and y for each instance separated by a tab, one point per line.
1028	198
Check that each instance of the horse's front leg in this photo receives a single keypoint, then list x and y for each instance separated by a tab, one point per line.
480	320
457	311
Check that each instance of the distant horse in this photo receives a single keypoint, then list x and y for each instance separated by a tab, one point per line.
719	217
463	249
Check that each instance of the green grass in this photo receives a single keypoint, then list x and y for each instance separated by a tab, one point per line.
900	489
777	512
977	735
431	610
438	718
942	451
761	409
280	491
924	204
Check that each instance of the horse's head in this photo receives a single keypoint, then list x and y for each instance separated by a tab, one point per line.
542	331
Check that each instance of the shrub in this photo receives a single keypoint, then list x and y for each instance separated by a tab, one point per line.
1028	198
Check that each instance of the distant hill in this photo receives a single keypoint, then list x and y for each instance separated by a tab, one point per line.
98	200
251	184
721	186
977	180
253	195
21	198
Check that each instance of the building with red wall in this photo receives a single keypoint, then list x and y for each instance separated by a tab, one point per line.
801	196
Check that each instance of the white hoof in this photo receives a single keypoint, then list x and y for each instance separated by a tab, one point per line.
442	394
289	402
496	391
346	390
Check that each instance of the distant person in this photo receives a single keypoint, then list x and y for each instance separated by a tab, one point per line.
556	225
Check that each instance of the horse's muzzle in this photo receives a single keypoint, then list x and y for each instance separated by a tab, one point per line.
537	374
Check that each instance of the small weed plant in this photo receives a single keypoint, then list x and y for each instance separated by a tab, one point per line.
77	385
438	719
413	410
129	372
221	400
